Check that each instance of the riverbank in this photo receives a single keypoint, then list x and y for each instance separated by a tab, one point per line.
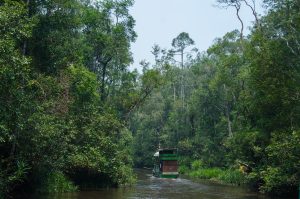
218	175
148	186
231	177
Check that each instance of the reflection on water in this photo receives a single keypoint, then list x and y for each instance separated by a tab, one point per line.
151	187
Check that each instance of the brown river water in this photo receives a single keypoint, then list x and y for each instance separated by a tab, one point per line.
150	187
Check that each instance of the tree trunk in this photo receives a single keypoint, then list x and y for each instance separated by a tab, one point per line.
182	80
103	82
238	8
228	121
227	113
103	76
174	92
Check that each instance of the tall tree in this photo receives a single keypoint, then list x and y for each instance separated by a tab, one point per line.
109	32
16	93
180	43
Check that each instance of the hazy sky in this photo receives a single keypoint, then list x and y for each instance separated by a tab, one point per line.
159	21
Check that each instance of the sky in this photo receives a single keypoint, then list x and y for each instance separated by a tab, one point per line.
159	21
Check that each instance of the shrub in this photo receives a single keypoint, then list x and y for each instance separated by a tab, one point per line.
282	175
56	182
183	169
197	164
227	176
232	177
211	173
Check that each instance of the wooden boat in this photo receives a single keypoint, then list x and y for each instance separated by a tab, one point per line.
166	163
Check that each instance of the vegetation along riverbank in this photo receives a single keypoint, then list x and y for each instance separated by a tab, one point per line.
223	176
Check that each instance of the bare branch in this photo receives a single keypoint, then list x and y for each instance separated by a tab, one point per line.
289	46
238	8
253	8
237	5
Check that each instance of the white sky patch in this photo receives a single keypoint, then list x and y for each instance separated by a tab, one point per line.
159	21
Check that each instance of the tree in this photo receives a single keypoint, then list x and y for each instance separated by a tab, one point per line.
56	43
109	31
15	91
180	43
53	124
237	5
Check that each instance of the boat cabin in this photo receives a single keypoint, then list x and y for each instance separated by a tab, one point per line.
166	163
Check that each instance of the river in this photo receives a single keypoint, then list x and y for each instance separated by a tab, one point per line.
150	187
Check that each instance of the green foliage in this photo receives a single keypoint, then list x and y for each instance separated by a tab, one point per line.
56	182
197	164
67	96
247	147
182	41
54	116
228	176
212	173
233	177
11	177
99	143
236	103
57	43
283	173
183	169
84	85
274	180
15	92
